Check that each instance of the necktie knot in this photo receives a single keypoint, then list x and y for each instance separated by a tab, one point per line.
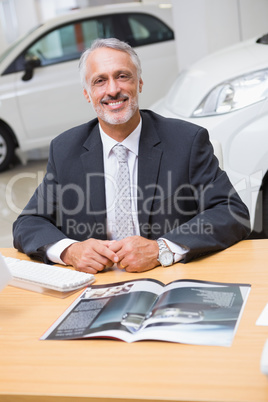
120	152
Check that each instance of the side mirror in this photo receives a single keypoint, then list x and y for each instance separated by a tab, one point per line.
30	64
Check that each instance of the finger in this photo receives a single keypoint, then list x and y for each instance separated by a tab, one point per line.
98	256
90	256
102	248
93	267
123	248
120	265
116	246
92	262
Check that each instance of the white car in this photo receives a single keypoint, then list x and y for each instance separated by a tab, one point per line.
40	90
227	92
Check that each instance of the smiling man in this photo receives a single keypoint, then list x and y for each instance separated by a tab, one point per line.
130	187
112	81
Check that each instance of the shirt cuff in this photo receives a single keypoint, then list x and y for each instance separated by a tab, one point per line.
54	251
178	250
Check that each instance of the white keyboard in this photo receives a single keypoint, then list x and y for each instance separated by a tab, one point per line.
43	278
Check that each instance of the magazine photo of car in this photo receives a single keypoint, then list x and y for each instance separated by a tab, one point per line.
183	311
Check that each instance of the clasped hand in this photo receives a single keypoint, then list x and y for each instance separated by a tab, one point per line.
134	254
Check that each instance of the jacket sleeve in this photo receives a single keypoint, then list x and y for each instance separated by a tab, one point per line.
38	225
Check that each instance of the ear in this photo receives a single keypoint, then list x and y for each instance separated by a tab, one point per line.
86	95
140	85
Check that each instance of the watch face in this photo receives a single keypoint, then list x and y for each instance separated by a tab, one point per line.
166	258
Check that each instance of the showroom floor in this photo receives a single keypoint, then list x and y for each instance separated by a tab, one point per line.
16	187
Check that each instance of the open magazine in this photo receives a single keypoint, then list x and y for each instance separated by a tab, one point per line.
184	311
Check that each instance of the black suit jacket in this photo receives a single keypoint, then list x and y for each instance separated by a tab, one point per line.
183	195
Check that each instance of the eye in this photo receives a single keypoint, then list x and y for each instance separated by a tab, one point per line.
123	76
99	82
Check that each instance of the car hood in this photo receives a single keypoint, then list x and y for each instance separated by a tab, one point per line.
194	84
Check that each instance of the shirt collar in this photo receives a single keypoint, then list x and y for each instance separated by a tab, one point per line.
131	142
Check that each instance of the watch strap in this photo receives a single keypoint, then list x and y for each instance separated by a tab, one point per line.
163	248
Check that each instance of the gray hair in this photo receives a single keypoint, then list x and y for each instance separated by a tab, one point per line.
111	43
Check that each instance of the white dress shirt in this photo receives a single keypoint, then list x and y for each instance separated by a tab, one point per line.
110	171
111	167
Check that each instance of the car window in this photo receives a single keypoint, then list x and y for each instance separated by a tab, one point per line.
67	42
145	29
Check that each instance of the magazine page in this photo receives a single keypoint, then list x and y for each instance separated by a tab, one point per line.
196	312
115	310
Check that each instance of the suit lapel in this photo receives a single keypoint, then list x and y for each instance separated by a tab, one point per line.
148	171
92	161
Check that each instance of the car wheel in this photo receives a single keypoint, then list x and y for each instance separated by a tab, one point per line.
7	148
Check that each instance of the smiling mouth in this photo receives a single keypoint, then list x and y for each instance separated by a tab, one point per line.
114	102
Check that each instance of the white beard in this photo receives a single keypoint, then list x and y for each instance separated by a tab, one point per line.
113	117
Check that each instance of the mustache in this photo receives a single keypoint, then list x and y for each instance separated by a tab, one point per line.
115	98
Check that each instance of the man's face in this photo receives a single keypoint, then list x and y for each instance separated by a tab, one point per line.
112	85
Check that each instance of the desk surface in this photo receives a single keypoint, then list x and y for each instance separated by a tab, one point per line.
101	370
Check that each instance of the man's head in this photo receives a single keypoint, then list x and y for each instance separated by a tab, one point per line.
111	77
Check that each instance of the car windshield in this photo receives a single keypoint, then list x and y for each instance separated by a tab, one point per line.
15	44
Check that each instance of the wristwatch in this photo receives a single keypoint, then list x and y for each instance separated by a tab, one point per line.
165	256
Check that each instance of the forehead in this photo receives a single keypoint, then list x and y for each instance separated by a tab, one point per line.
105	60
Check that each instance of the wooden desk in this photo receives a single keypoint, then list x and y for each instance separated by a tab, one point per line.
101	370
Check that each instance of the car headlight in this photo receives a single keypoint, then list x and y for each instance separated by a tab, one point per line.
234	94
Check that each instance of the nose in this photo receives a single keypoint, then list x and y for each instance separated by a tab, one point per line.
112	88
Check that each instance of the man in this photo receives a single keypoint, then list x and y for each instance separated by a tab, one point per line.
174	200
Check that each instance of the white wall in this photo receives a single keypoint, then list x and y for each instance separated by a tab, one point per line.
8	22
254	17
3	42
204	26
